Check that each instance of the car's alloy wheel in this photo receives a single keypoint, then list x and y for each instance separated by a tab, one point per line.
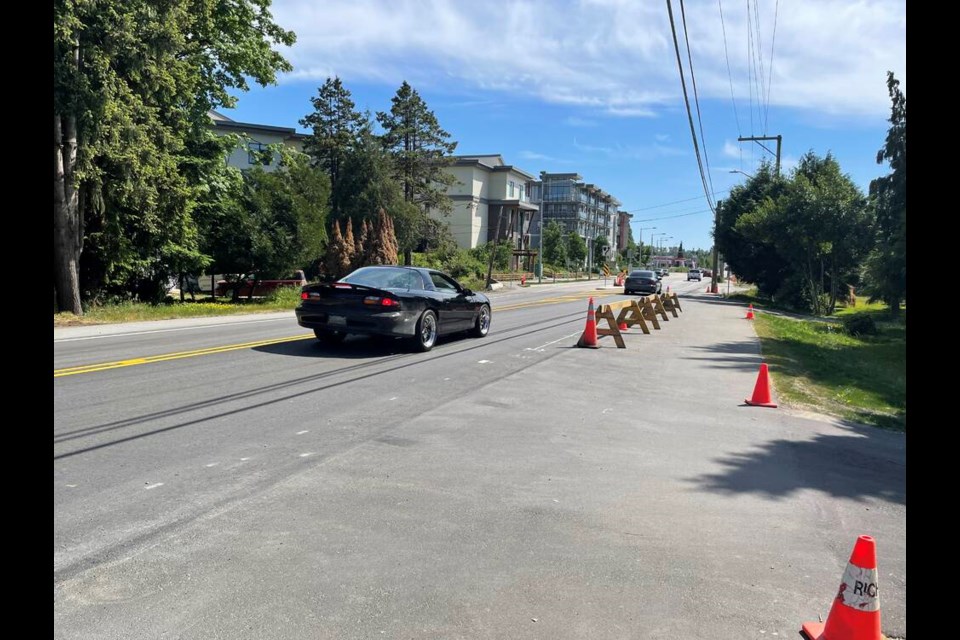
426	331
482	325
329	337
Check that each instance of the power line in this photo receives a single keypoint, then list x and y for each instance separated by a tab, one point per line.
696	98
667	204
680	215
758	55
773	43
686	100
726	54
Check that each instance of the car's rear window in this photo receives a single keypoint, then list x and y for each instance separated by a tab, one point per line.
385	278
642	274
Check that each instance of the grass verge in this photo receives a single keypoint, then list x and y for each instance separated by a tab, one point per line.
282	300
816	366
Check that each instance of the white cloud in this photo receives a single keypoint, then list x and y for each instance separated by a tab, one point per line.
533	155
730	149
624	152
830	56
574	121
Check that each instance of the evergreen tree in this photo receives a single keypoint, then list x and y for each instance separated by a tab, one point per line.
885	270
335	131
420	151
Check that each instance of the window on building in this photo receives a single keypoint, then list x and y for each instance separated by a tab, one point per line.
521	193
513	185
257	153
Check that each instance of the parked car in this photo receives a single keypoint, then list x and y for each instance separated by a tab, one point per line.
694	274
409	302
641	281
707	273
252	286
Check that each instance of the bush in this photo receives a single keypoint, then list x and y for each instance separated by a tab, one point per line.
860	324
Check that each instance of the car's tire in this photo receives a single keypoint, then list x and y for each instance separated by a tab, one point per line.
326	336
426	335
482	326
627	292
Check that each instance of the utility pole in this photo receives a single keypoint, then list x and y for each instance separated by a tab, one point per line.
757	139
716	253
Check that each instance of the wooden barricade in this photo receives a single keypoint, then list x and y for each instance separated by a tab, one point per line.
649	311
657	303
671	303
605	312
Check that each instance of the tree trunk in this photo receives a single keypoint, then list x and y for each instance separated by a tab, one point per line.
67	221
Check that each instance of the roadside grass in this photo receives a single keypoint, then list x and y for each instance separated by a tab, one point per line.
817	366
283	299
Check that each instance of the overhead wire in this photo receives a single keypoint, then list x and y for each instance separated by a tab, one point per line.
773	43
696	100
686	100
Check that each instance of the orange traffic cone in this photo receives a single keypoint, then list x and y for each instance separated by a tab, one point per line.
855	614
708	288
589	336
623	326
750	312
761	392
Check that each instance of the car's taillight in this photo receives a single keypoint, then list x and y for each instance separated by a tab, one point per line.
382	302
342	285
304	295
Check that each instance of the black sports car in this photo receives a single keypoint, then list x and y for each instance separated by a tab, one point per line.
411	302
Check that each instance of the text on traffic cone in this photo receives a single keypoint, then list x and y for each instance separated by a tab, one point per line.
855	613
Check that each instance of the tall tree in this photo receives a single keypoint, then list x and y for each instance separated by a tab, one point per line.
554	243
420	151
278	224
753	258
885	270
576	249
819	225
133	83
335	130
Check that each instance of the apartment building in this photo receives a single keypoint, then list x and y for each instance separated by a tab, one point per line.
252	150
580	207
491	200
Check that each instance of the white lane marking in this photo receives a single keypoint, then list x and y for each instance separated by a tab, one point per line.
445	379
541	347
141	333
308	453
153	486
72	486
605	410
394	398
244	459
483	361
212	464
300	433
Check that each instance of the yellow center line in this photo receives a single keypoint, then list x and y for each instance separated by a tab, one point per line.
132	362
103	366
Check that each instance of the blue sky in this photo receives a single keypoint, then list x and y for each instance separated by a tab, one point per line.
592	86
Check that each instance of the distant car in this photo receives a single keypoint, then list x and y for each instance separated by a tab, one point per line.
642	282
694	274
252	285
707	273
664	272
410	302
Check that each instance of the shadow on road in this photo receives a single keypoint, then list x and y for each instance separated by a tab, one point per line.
354	347
867	464
744	354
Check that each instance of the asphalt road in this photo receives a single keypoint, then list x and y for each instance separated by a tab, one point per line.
238	480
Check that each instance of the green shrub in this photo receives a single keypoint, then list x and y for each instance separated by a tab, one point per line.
860	324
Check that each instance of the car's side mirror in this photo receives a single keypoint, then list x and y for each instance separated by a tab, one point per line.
466	292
